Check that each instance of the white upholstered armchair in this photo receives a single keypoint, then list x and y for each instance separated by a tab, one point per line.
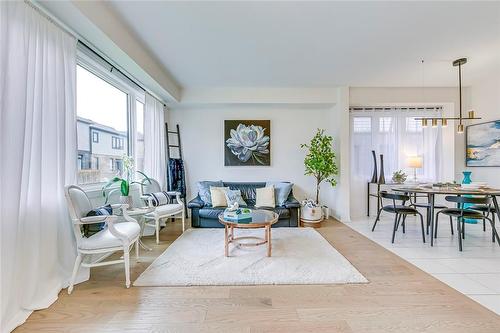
114	237
171	209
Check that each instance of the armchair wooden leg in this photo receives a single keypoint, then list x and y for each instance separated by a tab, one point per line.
126	260
76	267
137	248
157	226
183	221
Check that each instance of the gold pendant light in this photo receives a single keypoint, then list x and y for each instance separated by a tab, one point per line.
444	121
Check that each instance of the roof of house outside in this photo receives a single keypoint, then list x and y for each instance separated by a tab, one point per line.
101	127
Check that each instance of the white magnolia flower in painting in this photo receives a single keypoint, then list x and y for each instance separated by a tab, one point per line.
248	142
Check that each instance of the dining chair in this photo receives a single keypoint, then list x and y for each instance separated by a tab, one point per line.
151	193
462	213
400	210
427	207
92	250
486	210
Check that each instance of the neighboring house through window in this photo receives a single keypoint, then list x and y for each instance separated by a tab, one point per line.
106	103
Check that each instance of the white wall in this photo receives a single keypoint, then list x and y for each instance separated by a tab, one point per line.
485	100
202	130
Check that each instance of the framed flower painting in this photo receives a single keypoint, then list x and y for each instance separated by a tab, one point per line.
247	142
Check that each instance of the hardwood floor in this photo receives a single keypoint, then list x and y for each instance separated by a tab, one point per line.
399	298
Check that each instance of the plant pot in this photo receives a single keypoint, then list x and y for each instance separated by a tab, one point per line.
326	212
127	200
312	214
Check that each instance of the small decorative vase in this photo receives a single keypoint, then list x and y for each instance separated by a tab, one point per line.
127	200
381	180
374	176
467	179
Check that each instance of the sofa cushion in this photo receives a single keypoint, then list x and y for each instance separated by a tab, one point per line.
213	212
284	213
247	189
210	212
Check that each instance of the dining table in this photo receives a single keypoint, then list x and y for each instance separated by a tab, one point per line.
431	193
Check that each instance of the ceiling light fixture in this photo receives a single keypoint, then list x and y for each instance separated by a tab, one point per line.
471	115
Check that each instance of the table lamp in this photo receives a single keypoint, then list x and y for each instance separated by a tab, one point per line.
415	162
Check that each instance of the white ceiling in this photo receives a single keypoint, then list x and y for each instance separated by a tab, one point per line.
312	44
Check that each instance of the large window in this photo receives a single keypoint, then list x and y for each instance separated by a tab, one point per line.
394	133
102	126
397	135
106	104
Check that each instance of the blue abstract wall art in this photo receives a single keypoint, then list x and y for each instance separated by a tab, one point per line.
483	145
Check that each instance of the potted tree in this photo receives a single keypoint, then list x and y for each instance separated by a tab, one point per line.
319	163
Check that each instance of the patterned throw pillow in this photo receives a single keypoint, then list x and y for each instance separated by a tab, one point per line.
159	198
234	196
204	190
90	229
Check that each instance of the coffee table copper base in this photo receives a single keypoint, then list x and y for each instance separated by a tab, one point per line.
261	219
230	239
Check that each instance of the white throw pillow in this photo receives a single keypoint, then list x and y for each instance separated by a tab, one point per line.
265	197
218	195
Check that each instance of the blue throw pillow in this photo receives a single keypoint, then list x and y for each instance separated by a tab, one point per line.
281	191
90	229
204	190
234	196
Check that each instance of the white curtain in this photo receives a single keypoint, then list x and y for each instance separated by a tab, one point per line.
38	157
396	134
154	140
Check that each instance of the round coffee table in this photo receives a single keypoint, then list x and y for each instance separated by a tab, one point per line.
262	219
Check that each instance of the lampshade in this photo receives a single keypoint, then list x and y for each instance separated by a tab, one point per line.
415	161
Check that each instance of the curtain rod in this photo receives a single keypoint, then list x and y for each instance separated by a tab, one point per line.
109	63
405	108
46	14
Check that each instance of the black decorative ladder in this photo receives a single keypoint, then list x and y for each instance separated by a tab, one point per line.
169	158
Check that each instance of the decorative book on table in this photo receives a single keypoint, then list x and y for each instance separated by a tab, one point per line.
240	215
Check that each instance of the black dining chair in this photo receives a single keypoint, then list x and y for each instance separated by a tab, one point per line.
400	210
427	207
462	213
486	210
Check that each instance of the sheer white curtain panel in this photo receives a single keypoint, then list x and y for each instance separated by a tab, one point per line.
38	158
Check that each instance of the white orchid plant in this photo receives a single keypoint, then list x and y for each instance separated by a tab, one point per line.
125	178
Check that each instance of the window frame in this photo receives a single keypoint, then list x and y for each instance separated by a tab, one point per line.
105	72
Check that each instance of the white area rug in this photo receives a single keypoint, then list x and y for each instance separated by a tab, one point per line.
299	256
